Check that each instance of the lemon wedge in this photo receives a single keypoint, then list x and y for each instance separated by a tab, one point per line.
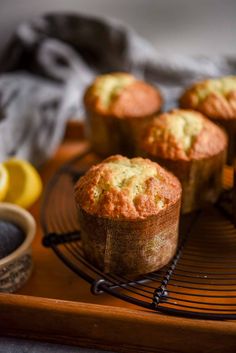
25	185
4	182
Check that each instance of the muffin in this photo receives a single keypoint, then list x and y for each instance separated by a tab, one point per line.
117	107
216	99
129	214
191	147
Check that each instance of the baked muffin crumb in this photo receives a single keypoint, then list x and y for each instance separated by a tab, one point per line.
107	87
183	134
121	95
216	98
126	188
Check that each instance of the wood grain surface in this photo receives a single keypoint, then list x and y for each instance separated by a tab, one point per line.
56	305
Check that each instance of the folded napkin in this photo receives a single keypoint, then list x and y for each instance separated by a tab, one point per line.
51	59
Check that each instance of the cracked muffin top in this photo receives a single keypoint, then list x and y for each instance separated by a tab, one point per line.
122	188
183	134
216	98
123	96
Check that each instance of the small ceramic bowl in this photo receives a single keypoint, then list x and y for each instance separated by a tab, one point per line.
16	268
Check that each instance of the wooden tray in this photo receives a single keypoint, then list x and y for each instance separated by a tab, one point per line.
57	306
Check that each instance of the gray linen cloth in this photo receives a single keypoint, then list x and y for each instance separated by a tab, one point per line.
51	59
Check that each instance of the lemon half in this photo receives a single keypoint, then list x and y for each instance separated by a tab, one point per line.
4	182
25	185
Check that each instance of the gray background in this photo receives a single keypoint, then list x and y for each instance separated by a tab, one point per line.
174	27
9	345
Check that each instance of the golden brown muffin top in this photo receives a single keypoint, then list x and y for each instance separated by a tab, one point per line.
123	96
183	134
216	98
123	188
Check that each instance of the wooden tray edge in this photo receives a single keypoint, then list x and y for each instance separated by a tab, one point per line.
106	327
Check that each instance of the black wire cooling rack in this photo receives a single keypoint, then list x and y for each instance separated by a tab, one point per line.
200	282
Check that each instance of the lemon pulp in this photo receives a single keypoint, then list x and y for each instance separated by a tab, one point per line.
25	184
4	182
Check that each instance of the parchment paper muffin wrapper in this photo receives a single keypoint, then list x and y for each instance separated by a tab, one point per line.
130	247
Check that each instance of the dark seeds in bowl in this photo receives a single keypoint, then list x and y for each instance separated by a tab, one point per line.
11	237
